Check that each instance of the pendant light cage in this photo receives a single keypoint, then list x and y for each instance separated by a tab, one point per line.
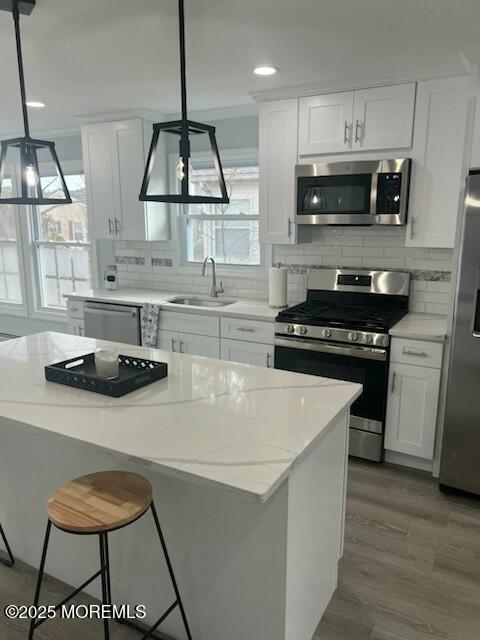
183	135
30	172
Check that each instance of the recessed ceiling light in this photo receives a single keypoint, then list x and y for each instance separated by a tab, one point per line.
265	70
35	105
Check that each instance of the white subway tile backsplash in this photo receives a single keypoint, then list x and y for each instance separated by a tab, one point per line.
383	263
379	247
364	252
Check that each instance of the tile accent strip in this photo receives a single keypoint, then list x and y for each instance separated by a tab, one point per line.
426	275
130	260
162	262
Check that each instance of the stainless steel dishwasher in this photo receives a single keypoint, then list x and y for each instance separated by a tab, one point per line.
118	323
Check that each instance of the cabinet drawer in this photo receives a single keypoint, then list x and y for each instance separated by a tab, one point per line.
418	352
198	324
75	309
248	330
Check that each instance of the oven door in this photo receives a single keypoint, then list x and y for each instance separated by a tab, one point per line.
366	365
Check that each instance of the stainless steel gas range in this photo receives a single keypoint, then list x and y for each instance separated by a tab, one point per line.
342	331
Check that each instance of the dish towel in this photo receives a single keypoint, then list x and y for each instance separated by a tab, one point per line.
149	322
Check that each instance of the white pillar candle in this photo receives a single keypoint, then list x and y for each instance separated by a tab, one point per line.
106	364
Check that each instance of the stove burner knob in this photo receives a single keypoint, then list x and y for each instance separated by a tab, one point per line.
289	328
326	333
302	330
353	336
369	339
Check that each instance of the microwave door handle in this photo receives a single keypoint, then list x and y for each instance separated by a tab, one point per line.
374	194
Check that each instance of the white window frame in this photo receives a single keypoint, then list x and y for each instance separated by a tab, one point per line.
40	311
229	157
17	308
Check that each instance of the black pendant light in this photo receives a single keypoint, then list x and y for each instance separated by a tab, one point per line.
153	187
34	157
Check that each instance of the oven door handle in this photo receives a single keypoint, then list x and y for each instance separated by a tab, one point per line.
368	353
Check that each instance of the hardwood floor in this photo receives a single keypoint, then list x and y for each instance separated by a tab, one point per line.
411	568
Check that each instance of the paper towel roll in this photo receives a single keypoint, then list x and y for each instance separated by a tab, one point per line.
277	297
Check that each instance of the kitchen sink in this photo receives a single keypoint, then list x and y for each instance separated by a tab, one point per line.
201	302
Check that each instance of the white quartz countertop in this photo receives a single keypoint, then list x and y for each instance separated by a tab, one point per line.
252	309
421	326
234	425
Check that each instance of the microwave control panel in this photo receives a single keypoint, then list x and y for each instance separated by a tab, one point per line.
389	188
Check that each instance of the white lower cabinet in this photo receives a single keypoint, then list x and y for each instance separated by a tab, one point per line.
75	326
189	343
254	353
198	345
412	410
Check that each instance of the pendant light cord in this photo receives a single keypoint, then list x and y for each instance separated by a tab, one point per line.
16	19
183	72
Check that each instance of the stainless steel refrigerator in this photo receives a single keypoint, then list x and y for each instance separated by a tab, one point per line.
460	463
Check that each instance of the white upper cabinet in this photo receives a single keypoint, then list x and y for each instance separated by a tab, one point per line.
325	124
439	167
383	117
278	150
99	170
363	120
115	155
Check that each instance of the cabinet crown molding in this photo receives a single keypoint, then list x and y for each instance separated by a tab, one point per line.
349	84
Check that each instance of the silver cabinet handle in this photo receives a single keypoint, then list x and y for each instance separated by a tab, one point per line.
104	312
289	227
412	352
246	329
173	344
412	229
117	227
180	342
110	226
358	128
269	358
394	379
346	133
80	330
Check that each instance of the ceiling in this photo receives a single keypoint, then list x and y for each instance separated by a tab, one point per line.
92	56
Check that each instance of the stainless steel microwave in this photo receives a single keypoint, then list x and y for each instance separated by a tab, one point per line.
364	192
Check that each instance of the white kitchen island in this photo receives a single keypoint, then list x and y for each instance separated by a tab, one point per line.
249	470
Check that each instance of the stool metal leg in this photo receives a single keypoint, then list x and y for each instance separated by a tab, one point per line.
9	561
40	577
170	570
107	562
105	580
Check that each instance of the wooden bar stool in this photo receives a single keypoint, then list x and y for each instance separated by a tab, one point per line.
8	560
98	504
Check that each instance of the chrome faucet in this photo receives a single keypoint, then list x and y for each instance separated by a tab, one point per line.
214	290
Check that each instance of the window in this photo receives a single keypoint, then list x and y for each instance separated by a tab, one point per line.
61	243
228	233
10	283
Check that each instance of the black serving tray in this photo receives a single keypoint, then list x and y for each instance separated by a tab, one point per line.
80	372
